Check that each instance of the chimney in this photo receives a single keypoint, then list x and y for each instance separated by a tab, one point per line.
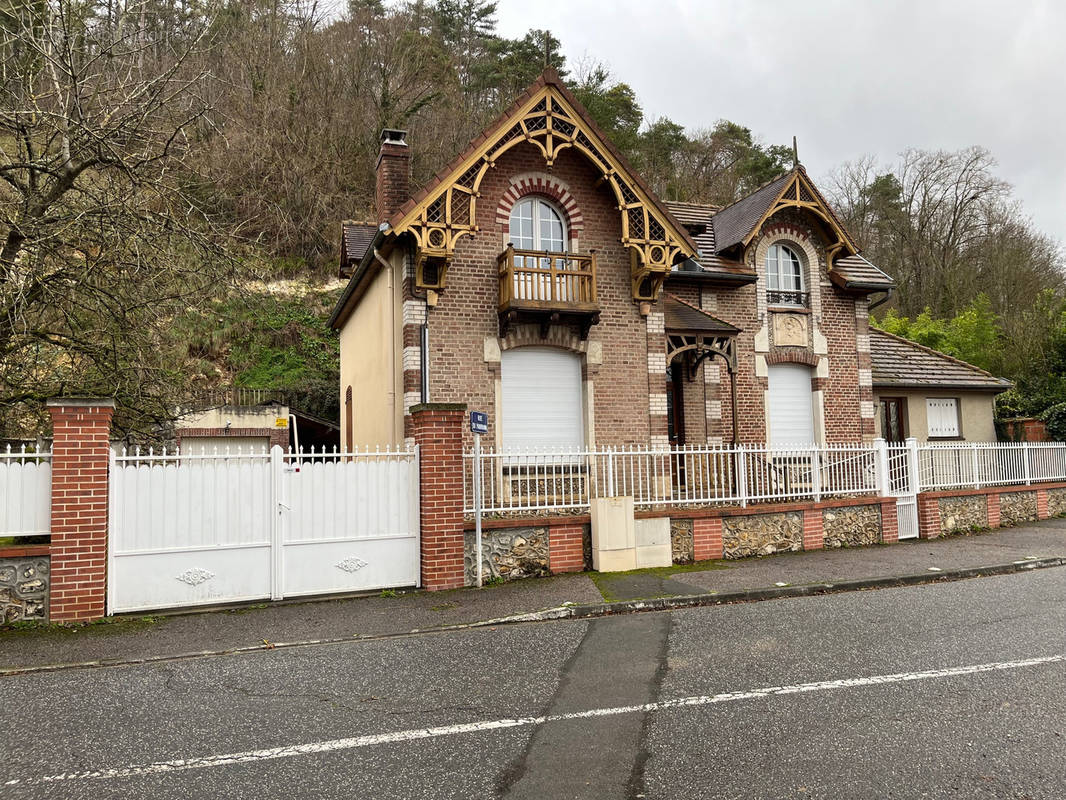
393	173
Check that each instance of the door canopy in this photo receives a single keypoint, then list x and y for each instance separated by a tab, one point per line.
550	118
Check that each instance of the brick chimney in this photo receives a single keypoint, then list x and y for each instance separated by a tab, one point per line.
393	173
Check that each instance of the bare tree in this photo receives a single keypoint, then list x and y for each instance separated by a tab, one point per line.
102	234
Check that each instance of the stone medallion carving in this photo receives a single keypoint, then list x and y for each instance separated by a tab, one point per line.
790	330
352	564
195	576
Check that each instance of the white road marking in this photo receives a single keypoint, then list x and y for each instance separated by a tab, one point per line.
371	740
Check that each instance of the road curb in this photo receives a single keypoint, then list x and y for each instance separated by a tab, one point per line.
588	611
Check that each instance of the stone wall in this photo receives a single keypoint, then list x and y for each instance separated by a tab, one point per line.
24	584
681	541
762	534
1017	507
508	554
851	526
1056	502
968	513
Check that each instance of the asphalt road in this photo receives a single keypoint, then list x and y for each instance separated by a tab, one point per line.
952	690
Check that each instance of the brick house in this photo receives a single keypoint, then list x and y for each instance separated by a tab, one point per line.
538	278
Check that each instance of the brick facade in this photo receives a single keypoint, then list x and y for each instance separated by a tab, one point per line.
566	548
437	430
80	461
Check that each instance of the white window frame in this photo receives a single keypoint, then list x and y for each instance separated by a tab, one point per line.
775	277
942	418
539	203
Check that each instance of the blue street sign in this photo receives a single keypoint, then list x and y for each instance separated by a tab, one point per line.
479	422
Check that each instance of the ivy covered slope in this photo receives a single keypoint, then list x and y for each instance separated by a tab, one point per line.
267	336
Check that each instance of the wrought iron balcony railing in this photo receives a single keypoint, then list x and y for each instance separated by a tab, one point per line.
779	297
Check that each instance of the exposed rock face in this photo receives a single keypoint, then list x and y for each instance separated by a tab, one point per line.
963	513
24	584
851	526
1017	507
681	541
508	553
762	534
1056	502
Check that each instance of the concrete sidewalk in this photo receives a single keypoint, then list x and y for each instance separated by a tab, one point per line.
131	639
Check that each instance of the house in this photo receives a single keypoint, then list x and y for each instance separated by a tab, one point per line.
929	395
537	278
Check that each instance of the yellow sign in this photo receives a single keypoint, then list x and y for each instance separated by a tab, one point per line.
281	422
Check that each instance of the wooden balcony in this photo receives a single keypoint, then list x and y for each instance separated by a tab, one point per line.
547	288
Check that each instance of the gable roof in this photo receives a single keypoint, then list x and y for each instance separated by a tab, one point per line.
903	364
681	316
735	222
700	217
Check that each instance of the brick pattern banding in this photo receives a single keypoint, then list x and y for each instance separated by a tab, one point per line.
707	538
813	530
889	522
439	435
543	184
80	463
566	548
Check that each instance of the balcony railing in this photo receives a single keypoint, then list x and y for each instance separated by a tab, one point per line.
780	297
543	281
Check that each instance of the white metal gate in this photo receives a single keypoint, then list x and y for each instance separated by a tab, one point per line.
194	530
902	479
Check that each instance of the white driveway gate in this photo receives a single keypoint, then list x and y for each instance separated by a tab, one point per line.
901	467
206	529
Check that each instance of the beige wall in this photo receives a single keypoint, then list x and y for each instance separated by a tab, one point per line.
976	412
371	362
235	417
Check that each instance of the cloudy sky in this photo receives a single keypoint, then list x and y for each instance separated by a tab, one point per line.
848	78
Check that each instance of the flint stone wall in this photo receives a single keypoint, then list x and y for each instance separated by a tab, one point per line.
851	526
1017	507
963	513
762	534
1056	502
681	542
507	553
24	584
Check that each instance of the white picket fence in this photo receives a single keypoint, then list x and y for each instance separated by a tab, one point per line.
973	465
190	530
560	481
25	493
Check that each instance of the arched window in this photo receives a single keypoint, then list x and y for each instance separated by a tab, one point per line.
785	285
537	225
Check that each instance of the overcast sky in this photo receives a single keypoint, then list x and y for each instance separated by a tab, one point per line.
847	78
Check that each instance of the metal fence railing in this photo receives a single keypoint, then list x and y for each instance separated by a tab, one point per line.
974	465
560	481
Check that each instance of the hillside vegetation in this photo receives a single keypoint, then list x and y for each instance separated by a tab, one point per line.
173	177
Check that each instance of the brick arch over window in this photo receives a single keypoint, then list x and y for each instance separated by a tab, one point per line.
791	355
543	184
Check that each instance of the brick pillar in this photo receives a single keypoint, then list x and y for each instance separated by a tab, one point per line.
707	538
566	551
438	432
993	509
813	529
1041	504
889	522
80	461
928	517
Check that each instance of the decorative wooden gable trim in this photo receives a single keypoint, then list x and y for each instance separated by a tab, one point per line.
552	120
800	192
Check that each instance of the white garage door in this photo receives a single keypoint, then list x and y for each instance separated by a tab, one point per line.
541	399
791	408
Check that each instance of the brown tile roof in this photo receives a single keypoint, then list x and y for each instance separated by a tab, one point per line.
901	363
682	316
855	272
355	241
734	222
697	216
547	78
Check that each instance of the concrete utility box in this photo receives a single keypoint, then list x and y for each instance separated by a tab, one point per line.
613	536
653	542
